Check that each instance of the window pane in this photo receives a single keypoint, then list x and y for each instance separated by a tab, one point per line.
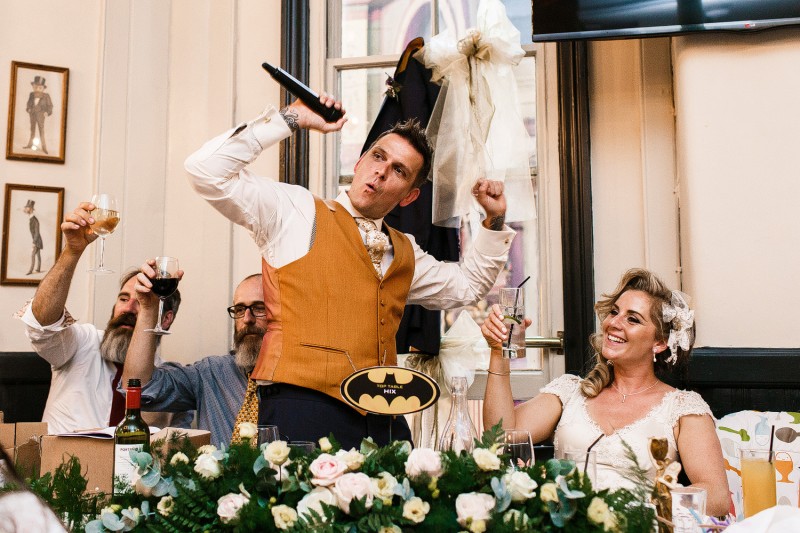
525	74
457	16
519	13
383	28
362	93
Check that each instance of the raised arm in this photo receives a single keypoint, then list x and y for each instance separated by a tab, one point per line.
51	295
139	362
701	457
539	416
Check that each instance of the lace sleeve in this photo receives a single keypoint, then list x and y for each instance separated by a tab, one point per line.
687	403
563	387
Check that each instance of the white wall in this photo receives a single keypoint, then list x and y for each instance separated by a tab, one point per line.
150	81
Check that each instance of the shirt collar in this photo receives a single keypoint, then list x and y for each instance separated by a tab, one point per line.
344	200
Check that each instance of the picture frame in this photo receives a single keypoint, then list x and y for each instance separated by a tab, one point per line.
37	113
32	217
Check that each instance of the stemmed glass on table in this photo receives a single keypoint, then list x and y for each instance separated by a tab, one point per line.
518	445
106	217
164	283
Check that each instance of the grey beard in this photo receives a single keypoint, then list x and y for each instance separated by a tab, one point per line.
114	346
247	352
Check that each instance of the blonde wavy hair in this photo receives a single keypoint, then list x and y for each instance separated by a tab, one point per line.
635	279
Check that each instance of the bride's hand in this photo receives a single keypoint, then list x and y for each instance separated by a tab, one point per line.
493	329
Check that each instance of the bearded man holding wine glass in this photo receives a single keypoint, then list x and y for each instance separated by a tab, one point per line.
87	362
334	305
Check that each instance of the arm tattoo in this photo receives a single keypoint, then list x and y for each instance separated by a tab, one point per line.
496	223
290	117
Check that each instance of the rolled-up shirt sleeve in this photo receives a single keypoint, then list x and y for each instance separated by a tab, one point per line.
441	285
171	389
58	342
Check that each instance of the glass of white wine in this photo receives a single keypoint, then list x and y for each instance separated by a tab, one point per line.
106	217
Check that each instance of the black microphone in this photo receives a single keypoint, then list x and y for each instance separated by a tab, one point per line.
301	91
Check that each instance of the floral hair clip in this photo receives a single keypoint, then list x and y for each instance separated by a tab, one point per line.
681	320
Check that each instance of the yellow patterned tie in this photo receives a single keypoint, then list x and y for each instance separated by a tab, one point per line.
249	410
376	242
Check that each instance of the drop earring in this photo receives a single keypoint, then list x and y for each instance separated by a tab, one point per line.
654	355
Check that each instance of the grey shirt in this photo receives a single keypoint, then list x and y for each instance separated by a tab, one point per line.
213	386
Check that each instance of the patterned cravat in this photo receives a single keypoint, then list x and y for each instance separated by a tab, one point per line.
376	242
249	410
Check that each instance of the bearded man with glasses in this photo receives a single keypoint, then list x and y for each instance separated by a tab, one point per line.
214	386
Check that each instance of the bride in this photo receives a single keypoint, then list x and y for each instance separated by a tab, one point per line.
645	328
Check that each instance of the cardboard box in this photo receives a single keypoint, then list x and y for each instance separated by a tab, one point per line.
21	442
96	453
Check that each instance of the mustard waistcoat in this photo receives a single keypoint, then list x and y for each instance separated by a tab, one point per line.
328	313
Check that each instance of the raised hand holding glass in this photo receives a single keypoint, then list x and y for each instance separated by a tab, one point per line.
165	282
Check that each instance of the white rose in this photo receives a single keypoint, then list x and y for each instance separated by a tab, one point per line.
383	487
424	460
416	509
276	452
352	486
228	507
521	486
486	459
165	505
518	518
325	469
599	513
474	507
284	516
248	430
313	501
549	492
352	458
207	466
325	444
131	518
179	457
390	529
206	448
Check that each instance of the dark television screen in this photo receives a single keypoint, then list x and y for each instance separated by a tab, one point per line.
558	20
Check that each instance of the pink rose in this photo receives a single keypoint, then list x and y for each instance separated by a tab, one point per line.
313	501
472	507
228	507
424	460
352	486
325	469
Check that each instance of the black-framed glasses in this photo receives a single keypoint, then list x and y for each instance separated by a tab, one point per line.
238	311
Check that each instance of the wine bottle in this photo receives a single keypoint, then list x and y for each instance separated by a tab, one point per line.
459	433
132	434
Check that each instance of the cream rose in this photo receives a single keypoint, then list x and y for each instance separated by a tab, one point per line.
248	430
276	452
313	501
518	518
416	509
383	487
390	529
325	444
206	448
179	457
207	466
326	469
486	459
549	492
472	508
165	505
599	513
352	458
521	486
284	516
424	460
228	507
352	486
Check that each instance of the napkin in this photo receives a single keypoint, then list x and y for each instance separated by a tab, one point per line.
463	349
778	519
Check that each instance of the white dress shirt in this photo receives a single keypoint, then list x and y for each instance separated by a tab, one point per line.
280	217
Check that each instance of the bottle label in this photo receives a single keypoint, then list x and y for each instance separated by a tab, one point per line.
123	466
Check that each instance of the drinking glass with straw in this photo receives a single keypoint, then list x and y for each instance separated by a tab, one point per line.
758	478
512	304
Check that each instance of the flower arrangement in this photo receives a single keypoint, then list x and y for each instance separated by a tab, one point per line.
388	489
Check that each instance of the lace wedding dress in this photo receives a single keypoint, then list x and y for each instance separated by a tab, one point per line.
577	430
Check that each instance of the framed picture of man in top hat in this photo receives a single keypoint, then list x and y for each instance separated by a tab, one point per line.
37	113
32	217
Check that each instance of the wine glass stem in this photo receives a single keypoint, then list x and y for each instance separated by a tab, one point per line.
160	311
102	251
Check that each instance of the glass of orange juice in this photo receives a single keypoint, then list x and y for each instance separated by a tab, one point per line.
758	480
